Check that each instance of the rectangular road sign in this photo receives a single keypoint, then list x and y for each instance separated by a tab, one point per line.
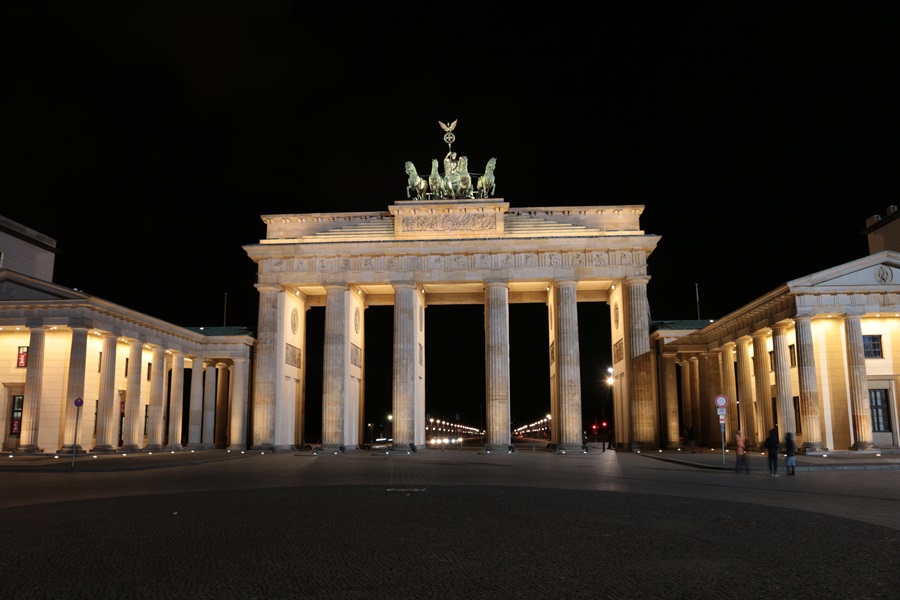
721	418
721	411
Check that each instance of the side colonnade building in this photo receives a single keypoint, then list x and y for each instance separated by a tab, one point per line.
818	357
423	253
78	373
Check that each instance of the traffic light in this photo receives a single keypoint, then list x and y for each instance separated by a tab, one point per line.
594	427
605	424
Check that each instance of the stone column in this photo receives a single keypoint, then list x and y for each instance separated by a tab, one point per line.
404	372
729	388
108	406
266	370
209	406
567	424
695	396
783	381
745	394
644	419
669	389
239	396
809	387
496	339
74	390
157	405
763	385
133	433
176	402
859	385
31	408
686	392
222	405
195	413
335	360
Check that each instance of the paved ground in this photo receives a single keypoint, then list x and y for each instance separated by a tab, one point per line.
447	524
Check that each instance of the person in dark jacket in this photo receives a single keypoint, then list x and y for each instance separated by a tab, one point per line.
772	448
790	449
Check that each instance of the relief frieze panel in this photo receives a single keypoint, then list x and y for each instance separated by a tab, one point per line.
449	222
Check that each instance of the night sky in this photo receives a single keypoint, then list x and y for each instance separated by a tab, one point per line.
147	138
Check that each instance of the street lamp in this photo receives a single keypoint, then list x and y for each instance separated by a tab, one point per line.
432	428
549	431
390	434
371	436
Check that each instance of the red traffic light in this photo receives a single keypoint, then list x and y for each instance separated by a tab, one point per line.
594	427
604	424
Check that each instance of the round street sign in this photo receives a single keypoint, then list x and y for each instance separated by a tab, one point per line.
721	401
78	401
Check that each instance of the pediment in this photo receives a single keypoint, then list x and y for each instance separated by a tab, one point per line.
881	270
15	287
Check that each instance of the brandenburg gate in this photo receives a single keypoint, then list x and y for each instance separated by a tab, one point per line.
459	251
448	244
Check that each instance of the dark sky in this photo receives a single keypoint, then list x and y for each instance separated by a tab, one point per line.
147	138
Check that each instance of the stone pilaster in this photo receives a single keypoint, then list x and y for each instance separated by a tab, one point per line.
859	385
496	314
729	388
240	381
763	385
156	409
266	370
786	421
207	438
335	359
809	387
74	423
669	388
404	358
176	402
195	412
749	421
222	375
108	406
567	423
686	416
133	433
31	408
644	416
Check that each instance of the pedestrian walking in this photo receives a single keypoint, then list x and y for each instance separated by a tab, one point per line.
790	449
691	434
740	463
772	449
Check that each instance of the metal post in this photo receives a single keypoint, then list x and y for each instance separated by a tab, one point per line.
75	441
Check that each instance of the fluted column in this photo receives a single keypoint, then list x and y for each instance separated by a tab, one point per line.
157	399
859	385
239	396
31	407
763	384
266	370
809	387
705	412
729	388
695	396
745	393
404	358
133	433
195	411
567	424
335	360
176	402
645	419
75	389
669	389
496	339
209	406
783	381
686	416
221	405
108	407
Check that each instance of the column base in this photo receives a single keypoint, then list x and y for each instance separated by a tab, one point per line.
194	446
499	449
30	449
153	448
174	447
236	448
130	448
863	446
571	449
103	449
68	450
808	448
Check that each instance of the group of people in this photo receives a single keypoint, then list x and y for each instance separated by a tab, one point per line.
773	447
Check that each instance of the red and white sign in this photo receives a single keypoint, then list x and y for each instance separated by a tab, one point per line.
721	401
